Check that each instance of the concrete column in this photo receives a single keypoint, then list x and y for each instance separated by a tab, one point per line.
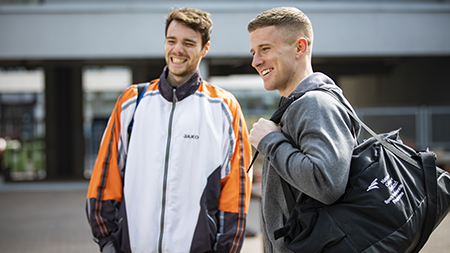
204	68
145	71
64	121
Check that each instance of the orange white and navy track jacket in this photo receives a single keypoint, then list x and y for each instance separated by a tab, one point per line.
180	184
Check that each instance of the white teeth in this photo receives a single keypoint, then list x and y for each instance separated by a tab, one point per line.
177	60
265	72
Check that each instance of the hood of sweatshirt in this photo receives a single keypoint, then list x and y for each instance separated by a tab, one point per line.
314	81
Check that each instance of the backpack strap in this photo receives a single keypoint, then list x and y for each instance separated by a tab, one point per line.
429	173
142	87
382	141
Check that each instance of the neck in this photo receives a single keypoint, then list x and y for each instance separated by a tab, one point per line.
176	81
301	74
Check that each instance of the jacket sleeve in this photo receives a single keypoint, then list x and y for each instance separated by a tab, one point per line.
105	188
314	149
235	187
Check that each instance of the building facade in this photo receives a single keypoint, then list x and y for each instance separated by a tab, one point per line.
390	57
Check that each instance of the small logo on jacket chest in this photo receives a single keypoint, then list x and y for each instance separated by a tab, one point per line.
191	136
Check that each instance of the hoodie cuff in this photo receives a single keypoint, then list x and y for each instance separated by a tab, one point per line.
267	141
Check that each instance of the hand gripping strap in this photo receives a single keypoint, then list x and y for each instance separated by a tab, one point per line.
276	118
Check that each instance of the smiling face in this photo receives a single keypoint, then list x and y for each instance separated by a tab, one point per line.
275	59
183	52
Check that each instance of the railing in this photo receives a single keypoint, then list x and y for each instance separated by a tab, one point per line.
422	127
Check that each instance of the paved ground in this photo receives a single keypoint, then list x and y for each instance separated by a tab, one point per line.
50	218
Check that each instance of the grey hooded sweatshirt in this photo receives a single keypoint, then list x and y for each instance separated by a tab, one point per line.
315	157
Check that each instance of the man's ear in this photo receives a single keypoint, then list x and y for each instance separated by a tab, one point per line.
206	49
302	46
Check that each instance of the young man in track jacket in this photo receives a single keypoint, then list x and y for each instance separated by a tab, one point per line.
312	147
179	183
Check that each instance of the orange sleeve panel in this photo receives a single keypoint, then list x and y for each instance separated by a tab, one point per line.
236	186
106	181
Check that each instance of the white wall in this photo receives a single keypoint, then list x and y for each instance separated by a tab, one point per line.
136	29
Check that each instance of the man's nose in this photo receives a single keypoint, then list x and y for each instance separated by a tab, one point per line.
178	48
256	61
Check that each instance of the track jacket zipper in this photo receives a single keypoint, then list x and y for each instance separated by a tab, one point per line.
166	170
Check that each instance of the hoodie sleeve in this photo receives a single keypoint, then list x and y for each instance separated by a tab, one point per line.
317	160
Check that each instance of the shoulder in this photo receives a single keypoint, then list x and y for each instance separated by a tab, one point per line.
317	97
315	109
320	109
127	94
130	92
214	91
316	100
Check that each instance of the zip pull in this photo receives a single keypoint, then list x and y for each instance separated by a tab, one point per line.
174	94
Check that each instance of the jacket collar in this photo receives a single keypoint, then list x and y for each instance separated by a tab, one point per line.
184	90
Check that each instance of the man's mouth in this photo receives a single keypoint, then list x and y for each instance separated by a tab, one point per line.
178	60
266	71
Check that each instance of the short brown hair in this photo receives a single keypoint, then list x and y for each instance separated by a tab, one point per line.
196	19
293	21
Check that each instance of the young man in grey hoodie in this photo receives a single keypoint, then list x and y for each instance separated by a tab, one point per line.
312	146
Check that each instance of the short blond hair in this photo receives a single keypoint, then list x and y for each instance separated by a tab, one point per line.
293	22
